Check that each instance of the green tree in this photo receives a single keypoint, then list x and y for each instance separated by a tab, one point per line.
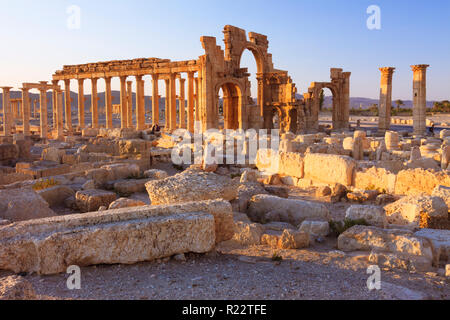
321	99
399	103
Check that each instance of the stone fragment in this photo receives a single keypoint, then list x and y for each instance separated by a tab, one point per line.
16	288
155	174
92	200
248	233
56	195
373	215
315	229
125	203
323	191
291	239
329	169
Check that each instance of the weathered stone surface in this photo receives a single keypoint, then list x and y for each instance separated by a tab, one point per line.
281	192
192	186
263	208
375	179
248	233
8	151
122	171
417	211
400	261
442	192
249	176
53	154
127	236
155	174
315	229
16	288
293	239
384	199
363	238
329	169
373	215
56	195
128	187
126	203
245	192
23	204
323	191
418	181
91	200
440	240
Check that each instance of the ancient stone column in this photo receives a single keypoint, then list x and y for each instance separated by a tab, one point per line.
59	115
129	104
173	102
81	103
123	102
43	109
140	104
197	99
108	104
419	98
94	103
345	120
167	106
190	112
68	109
7	118
7	121
155	99
182	104
384	115
26	111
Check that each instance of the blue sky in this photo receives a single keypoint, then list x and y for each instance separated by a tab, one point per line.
305	37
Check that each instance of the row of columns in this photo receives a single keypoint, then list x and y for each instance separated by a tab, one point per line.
419	99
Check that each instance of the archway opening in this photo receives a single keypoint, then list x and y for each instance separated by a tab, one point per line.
326	106
250	60
228	104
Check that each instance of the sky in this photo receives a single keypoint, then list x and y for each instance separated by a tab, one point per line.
306	38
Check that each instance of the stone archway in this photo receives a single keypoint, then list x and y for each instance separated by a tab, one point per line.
232	105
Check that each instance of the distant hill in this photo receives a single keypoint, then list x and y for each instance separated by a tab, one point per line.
355	102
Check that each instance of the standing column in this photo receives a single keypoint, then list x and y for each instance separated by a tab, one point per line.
140	104
94	103
123	102
54	101
26	111
81	103
129	104
190	112
7	123
197	100
420	98
384	116
155	100
182	104
43	109
59	115
108	104
68	108
167	106
173	102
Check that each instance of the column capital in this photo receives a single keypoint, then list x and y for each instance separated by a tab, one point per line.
6	89
123	78
182	80
387	70
67	82
155	76
139	77
419	67
80	81
191	74
94	80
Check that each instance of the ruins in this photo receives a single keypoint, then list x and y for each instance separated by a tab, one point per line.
111	193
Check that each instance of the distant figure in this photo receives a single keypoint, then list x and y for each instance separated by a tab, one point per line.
432	129
155	128
358	124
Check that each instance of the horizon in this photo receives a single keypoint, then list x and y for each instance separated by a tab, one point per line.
303	39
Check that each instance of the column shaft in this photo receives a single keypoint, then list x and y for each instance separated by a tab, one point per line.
190	111
182	104
155	100
81	123
68	109
140	104
26	112
94	103
123	103
108	104
129	104
173	102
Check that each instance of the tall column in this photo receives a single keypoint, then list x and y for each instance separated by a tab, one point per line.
43	109
81	103
26	111
59	115
197	100
140	104
190	106
54	101
182	104
108	104
420	98
129	104
94	103
167	106
155	100
7	123
123	102
384	114
173	102
68	108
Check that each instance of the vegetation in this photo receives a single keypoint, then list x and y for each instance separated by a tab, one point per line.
399	104
45	184
322	99
339	227
441	107
277	257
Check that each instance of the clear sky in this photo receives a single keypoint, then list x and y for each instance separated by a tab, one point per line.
306	37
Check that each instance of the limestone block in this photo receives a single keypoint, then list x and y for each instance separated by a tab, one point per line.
391	140
155	174
375	179
245	192
8	151
248	233
418	181
23	204
442	192
293	239
329	169
125	203
373	215
290	164
53	154
440	240
56	195
91	200
88	185
192	186
400	261
126	236
315	229
16	288
417	211
122	170
128	187
249	176
364	238
288	210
